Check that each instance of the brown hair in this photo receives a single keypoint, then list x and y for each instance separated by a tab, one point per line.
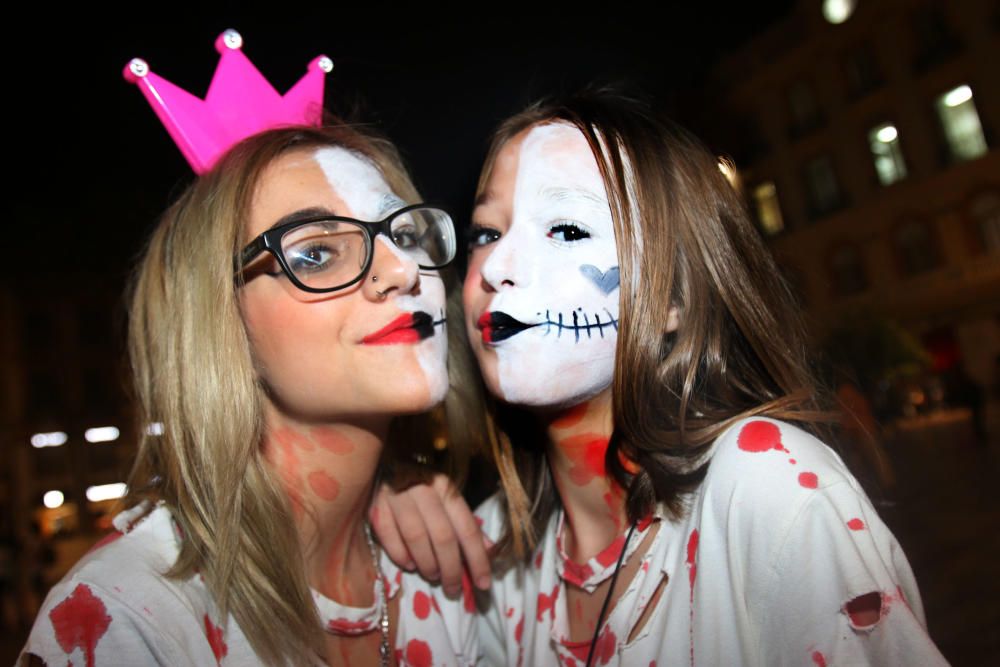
685	242
193	372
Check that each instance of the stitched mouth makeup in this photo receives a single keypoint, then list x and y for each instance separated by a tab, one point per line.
408	328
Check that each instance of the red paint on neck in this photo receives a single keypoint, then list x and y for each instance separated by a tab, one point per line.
585	453
570	416
332	440
80	621
323	485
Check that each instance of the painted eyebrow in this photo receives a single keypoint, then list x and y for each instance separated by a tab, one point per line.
302	214
564	194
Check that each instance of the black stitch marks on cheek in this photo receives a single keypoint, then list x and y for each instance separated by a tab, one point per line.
606	281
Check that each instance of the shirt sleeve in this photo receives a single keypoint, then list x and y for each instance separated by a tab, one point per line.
837	550
82	625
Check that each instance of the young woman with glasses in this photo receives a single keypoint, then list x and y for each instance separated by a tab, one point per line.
288	308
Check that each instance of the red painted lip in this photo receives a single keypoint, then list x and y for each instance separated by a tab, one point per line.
484	324
402	330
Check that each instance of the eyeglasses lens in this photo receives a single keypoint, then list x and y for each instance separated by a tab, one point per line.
326	254
426	234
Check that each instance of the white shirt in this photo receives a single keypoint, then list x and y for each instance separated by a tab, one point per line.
778	538
116	608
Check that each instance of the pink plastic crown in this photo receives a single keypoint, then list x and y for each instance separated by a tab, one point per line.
240	102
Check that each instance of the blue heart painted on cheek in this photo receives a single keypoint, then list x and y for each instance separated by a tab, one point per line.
606	281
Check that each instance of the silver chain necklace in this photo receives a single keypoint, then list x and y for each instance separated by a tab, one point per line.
382	593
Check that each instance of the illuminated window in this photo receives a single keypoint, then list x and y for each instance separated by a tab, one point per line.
847	269
961	125
822	186
915	247
883	140
767	208
838	11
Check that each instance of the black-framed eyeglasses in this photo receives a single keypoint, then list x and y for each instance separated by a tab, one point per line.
328	253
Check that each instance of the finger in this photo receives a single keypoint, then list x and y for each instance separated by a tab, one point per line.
383	522
470	536
408	510
444	541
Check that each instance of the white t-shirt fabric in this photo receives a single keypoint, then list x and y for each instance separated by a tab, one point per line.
778	538
115	608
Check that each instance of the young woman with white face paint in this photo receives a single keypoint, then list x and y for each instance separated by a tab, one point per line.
665	499
245	538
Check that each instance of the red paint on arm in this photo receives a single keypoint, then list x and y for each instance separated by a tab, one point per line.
760	436
216	640
80	621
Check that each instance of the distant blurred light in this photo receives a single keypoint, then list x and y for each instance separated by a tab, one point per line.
154	428
887	134
105	492
838	11
957	96
54	439
53	499
101	434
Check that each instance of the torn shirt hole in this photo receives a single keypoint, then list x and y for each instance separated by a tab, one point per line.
865	610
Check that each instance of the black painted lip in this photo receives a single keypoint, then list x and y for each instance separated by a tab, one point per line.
498	326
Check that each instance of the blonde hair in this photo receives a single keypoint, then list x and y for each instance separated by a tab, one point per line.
740	348
193	372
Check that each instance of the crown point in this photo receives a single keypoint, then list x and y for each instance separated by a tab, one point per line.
322	62
136	69
230	39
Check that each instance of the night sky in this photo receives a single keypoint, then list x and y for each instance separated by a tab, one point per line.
94	167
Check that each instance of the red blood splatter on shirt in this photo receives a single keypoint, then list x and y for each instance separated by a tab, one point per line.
792	461
692	554
645	566
578	649
818	659
586	455
510	612
575	573
323	485
106	540
479	521
760	436
421	605
418	653
345	626
538	560
519	630
570	416
434	604
610	555
808	480
80	621
468	598
215	639
652	663
644	523
605	647
547	603
332	441
856	524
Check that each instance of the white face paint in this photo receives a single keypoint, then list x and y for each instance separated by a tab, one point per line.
541	294
370	198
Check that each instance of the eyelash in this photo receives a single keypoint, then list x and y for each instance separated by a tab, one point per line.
574	230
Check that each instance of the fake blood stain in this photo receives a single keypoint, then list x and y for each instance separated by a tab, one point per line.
760	436
586	455
808	480
323	485
80	621
818	659
570	417
856	524
421	605
332	441
547	603
418	654
215	640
